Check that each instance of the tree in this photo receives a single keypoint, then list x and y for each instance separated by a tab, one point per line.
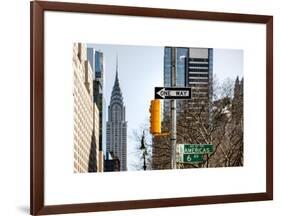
138	153
218	122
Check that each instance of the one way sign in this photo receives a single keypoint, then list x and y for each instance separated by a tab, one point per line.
172	93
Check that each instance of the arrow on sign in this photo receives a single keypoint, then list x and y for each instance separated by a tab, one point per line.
172	93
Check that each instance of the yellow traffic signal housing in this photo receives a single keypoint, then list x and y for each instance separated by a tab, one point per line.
155	117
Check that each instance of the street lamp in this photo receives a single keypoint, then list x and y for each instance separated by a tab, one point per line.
144	151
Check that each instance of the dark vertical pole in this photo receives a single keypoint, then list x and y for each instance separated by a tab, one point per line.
144	162
174	111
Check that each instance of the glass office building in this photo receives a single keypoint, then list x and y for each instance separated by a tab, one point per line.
194	68
96	61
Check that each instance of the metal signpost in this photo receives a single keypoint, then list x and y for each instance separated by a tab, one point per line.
173	93
174	111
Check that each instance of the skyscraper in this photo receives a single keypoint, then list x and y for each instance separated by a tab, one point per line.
116	126
96	61
200	79
85	158
194	68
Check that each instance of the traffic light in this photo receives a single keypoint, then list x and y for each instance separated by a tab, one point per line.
155	117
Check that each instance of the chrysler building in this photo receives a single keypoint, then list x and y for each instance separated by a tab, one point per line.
116	126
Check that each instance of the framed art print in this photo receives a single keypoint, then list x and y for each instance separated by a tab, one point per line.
137	107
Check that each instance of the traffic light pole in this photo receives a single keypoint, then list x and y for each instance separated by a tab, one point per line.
174	111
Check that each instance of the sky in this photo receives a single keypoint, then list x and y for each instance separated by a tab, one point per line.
228	63
140	69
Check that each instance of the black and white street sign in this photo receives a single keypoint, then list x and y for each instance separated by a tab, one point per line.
172	93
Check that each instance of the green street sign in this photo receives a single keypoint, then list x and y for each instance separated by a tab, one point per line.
190	158
195	148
